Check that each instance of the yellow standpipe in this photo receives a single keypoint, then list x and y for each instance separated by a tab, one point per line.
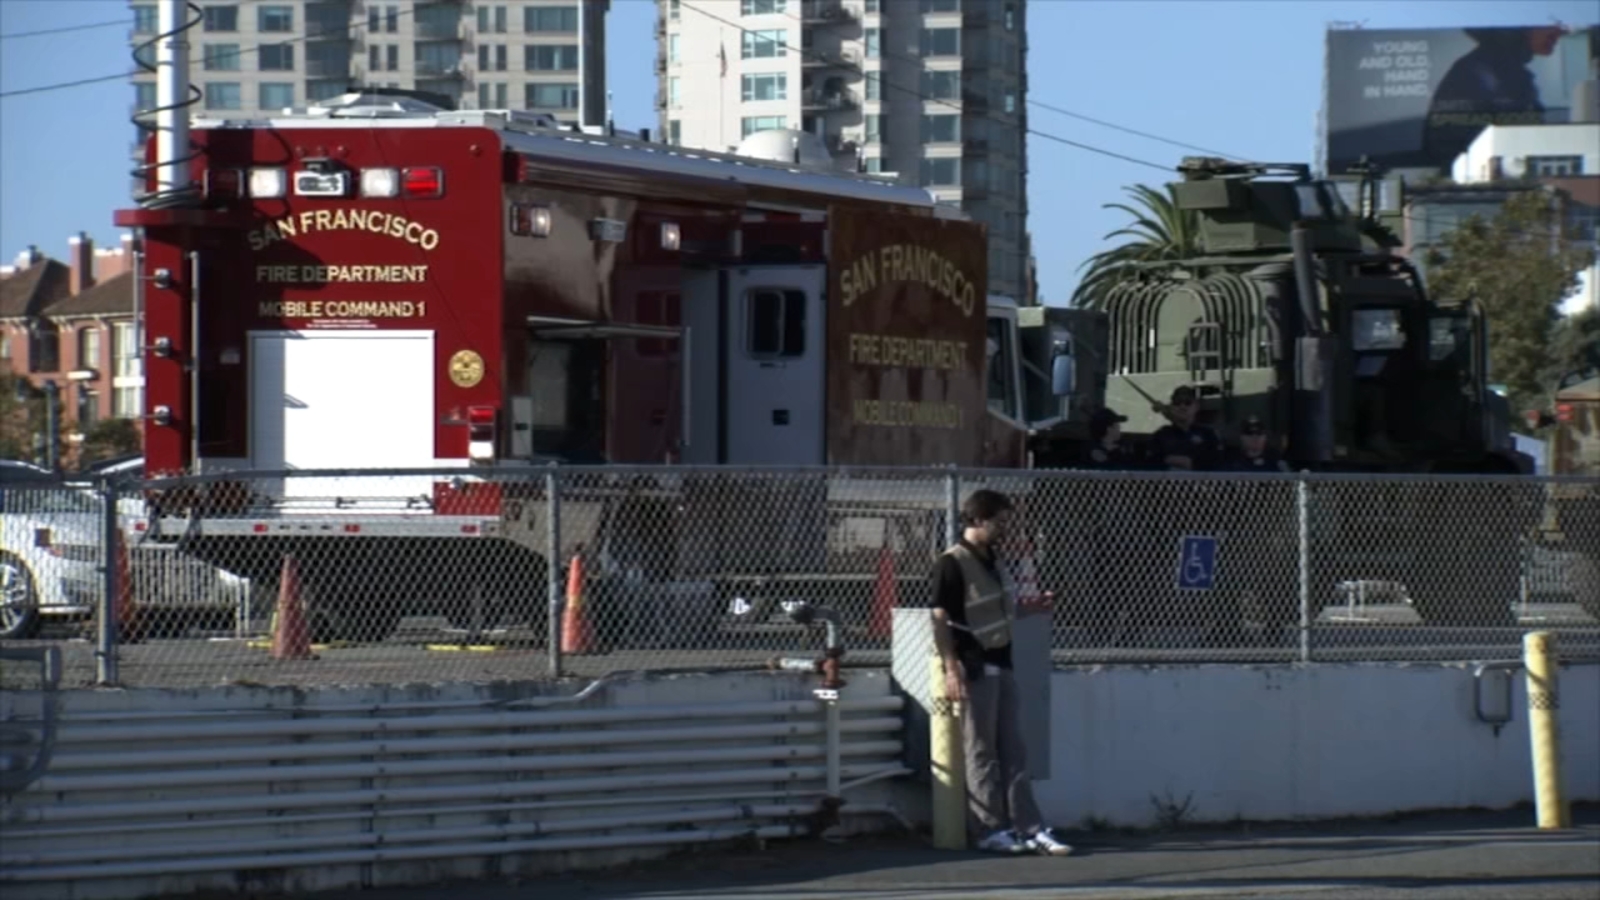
948	763
1544	729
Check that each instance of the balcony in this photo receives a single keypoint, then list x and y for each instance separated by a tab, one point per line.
973	101
818	99
827	12
435	69
838	146
338	67
979	19
824	59
661	65
975	147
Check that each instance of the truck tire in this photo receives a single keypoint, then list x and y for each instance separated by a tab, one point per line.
19	599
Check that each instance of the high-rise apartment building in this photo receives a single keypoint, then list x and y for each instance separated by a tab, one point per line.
933	90
253	55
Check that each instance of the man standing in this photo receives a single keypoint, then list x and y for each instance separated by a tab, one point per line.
1185	445
973	613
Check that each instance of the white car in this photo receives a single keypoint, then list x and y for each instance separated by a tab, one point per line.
50	546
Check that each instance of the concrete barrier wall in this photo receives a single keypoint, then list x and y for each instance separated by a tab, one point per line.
1131	746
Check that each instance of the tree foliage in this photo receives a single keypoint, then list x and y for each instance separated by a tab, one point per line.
19	419
108	439
1518	267
1158	231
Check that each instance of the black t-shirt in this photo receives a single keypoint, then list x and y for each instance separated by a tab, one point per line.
950	594
1266	462
1197	442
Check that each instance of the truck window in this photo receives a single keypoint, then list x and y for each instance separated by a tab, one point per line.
1002	370
777	320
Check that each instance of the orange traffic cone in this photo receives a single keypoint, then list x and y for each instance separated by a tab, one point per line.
885	595
291	636
577	634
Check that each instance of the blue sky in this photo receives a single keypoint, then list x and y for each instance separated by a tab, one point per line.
1244	78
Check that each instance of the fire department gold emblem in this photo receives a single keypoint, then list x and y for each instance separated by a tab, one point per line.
466	368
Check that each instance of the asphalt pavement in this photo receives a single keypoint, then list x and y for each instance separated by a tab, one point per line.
1434	857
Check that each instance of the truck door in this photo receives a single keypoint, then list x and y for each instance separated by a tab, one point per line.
773	351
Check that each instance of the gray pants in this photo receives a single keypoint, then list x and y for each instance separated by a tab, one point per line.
999	791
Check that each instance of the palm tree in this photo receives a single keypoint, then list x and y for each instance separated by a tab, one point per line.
1159	231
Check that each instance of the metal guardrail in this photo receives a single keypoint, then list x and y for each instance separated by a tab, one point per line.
18	741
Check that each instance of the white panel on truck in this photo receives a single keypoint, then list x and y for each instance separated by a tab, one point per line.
343	400
776	351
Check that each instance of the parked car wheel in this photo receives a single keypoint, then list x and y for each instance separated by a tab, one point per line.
19	600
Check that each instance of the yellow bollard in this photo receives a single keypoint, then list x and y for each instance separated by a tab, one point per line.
948	763
1544	729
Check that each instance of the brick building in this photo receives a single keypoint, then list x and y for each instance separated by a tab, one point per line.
72	323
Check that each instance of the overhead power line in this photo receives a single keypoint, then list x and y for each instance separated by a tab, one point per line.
200	60
44	32
812	54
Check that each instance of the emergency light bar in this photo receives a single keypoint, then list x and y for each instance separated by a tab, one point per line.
415	182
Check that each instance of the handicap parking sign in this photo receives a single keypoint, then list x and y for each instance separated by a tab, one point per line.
1197	562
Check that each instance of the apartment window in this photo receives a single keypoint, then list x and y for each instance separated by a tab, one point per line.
276	57
761	7
492	96
499	19
768	44
1011	102
874	164
751	124
275	19
672	10
939	6
550	58
674	92
276	95
144	95
550	96
88	347
374	19
777	320
877	126
483	57
44	347
872	6
88	407
437	57
672	49
1011	17
220	58
874	85
1554	166
765	86
127	377
874	42
144	19
550	18
223	95
941	42
941	85
221	18
326	89
674	132
941	172
662	308
393	57
391	19
941	129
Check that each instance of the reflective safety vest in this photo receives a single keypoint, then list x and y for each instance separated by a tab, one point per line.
989	604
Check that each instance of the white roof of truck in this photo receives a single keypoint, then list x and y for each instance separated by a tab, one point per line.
539	136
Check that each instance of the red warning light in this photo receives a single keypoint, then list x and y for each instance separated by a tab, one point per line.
422	182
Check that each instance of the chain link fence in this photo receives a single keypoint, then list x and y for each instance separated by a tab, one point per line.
432	576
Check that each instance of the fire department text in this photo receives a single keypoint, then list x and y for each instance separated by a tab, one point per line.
331	274
916	353
907	262
344	220
341	309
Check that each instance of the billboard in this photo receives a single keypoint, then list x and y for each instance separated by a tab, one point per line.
1416	98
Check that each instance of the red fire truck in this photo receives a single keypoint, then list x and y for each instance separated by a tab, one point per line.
382	284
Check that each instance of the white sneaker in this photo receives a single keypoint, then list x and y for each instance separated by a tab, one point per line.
1044	841
1004	841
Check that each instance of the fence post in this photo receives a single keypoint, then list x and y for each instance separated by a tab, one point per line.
952	511
1303	519
111	587
555	571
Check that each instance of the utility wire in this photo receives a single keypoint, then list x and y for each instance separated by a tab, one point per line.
1066	112
17	35
200	60
811	54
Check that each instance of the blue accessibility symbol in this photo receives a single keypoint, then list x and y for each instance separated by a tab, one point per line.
1197	563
